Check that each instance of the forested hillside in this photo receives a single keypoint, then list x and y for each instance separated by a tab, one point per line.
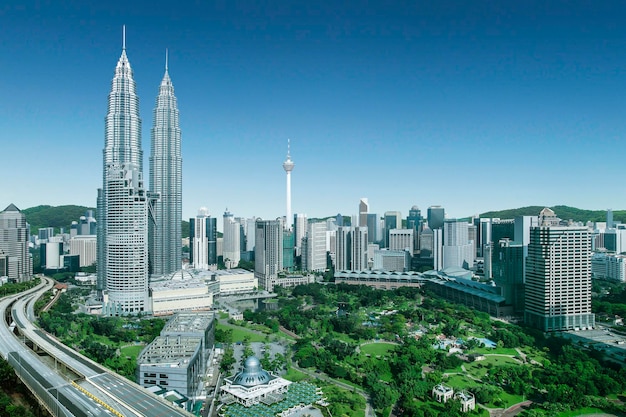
63	216
563	212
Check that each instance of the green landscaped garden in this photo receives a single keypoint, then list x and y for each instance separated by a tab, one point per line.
460	382
375	349
239	333
478	369
131	351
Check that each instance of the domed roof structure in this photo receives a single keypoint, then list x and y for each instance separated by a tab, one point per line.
252	374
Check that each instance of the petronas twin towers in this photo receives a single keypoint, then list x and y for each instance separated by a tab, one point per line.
139	231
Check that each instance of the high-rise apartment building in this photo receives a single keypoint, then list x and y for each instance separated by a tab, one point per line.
268	252
17	263
122	201
165	183
558	277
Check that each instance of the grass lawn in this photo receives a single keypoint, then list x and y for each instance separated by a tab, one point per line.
377	348
509	400
479	369
240	332
460	382
132	351
294	375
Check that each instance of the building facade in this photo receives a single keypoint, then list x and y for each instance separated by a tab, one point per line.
17	263
558	278
166	183
268	252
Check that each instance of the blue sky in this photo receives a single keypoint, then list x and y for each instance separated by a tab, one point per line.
470	105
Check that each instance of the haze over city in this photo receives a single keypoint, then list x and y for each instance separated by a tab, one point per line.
471	106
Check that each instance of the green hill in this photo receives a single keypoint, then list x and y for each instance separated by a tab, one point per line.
63	216
49	216
563	212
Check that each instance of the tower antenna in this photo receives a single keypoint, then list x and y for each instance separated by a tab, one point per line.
166	56
124	37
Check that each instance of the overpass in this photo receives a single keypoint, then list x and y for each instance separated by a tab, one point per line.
65	382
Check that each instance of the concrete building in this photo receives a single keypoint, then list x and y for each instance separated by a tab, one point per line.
364	208
402	239
203	240
300	230
359	249
458	249
235	281
175	362
268	252
558	277
14	231
442	393
181	291
343	254
608	266
392	220
85	246
232	241
391	260
166	182
316	247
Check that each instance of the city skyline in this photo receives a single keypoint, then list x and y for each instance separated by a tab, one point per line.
398	104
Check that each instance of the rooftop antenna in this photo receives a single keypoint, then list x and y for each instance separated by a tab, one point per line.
166	53
124	37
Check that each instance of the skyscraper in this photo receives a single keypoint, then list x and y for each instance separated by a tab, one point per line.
558	276
436	215
364	208
15	260
268	252
232	241
288	166
122	201
202	238
166	182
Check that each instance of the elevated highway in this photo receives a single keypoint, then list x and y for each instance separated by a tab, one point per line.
88	389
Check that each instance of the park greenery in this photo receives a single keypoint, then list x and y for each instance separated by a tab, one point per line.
385	342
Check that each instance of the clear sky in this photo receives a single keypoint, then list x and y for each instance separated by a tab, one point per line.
472	105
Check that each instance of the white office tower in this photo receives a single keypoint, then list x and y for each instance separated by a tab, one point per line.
53	252
122	201
268	252
288	166
458	249
166	183
300	231
232	241
86	249
402	239
200	240
126	208
364	208
316	247
558	279
359	249
15	260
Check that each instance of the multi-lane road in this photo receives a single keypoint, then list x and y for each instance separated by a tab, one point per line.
94	392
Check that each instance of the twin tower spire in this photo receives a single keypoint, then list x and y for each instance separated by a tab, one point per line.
139	231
